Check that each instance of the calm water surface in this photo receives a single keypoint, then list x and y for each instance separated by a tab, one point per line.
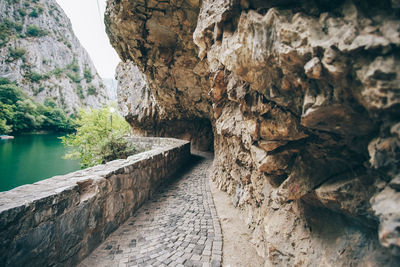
31	158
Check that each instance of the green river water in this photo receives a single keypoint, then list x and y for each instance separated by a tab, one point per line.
32	157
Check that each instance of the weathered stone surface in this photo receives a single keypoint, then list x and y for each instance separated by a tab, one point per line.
322	81
148	117
59	221
305	102
385	206
280	126
348	196
157	37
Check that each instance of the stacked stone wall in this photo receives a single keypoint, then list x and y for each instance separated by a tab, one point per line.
60	220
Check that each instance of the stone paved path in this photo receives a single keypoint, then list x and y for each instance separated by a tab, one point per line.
177	227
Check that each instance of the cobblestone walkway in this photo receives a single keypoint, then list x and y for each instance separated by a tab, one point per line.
177	227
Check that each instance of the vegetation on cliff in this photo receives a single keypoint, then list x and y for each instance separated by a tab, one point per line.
19	113
44	58
99	138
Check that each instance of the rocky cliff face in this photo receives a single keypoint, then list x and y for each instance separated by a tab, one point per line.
40	52
111	86
166	84
303	98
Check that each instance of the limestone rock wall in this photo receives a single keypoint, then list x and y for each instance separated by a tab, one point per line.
305	97
144	112
60	220
305	114
40	52
154	40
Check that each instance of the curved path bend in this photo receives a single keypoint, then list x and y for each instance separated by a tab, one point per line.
178	226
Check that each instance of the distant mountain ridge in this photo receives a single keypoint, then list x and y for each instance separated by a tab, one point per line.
39	51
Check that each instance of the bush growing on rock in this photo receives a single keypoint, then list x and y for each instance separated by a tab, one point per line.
36	77
34	13
35	31
7	29
79	91
22	12
74	77
88	75
15	53
91	90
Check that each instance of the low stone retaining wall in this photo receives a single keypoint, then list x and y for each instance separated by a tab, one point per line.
60	220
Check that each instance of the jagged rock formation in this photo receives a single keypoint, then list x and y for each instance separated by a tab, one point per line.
305	113
40	52
157	38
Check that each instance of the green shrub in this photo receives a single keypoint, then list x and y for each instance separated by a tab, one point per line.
94	142
91	90
36	77
4	81
26	67
18	27
6	31
88	75
73	66
15	53
68	44
57	71
8	23
22	12
35	31
40	9
74	77
116	147
49	102
79	90
34	13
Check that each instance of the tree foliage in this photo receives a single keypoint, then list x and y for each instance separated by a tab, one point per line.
94	142
19	113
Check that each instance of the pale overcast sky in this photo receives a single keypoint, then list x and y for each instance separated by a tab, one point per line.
90	30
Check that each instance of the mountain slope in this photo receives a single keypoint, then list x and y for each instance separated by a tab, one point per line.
39	51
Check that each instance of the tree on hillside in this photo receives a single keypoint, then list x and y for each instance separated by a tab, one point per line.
95	142
19	113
